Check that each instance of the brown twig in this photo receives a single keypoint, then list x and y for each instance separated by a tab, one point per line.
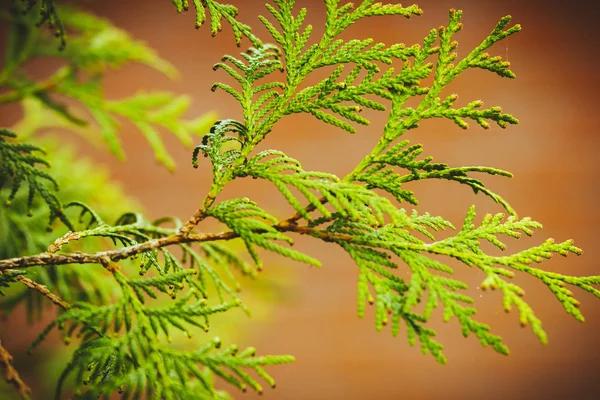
57	245
43	290
107	257
11	375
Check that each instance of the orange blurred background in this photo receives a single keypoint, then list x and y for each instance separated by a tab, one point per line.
551	152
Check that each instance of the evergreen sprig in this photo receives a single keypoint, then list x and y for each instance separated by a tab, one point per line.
382	175
348	200
120	349
96	47
121	334
246	219
258	63
218	12
371	248
20	164
128	329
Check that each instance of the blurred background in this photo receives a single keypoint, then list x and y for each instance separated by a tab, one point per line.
552	152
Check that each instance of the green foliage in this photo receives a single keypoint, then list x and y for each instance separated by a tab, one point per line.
48	15
350	213
348	200
249	221
19	165
218	12
21	234
8	278
128	326
381	175
95	47
120	348
121	321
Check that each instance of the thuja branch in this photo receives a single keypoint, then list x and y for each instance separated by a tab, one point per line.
106	257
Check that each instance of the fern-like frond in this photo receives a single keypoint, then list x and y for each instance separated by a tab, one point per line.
381	173
403	118
337	100
249	221
121	350
378	285
18	165
147	111
218	12
106	366
466	245
258	100
349	200
445	291
95	47
300	60
372	249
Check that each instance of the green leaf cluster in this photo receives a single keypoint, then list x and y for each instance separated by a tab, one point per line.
95	48
218	13
19	164
121	323
350	211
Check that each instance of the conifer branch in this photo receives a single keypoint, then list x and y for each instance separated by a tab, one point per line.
95	47
120	335
19	164
218	12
